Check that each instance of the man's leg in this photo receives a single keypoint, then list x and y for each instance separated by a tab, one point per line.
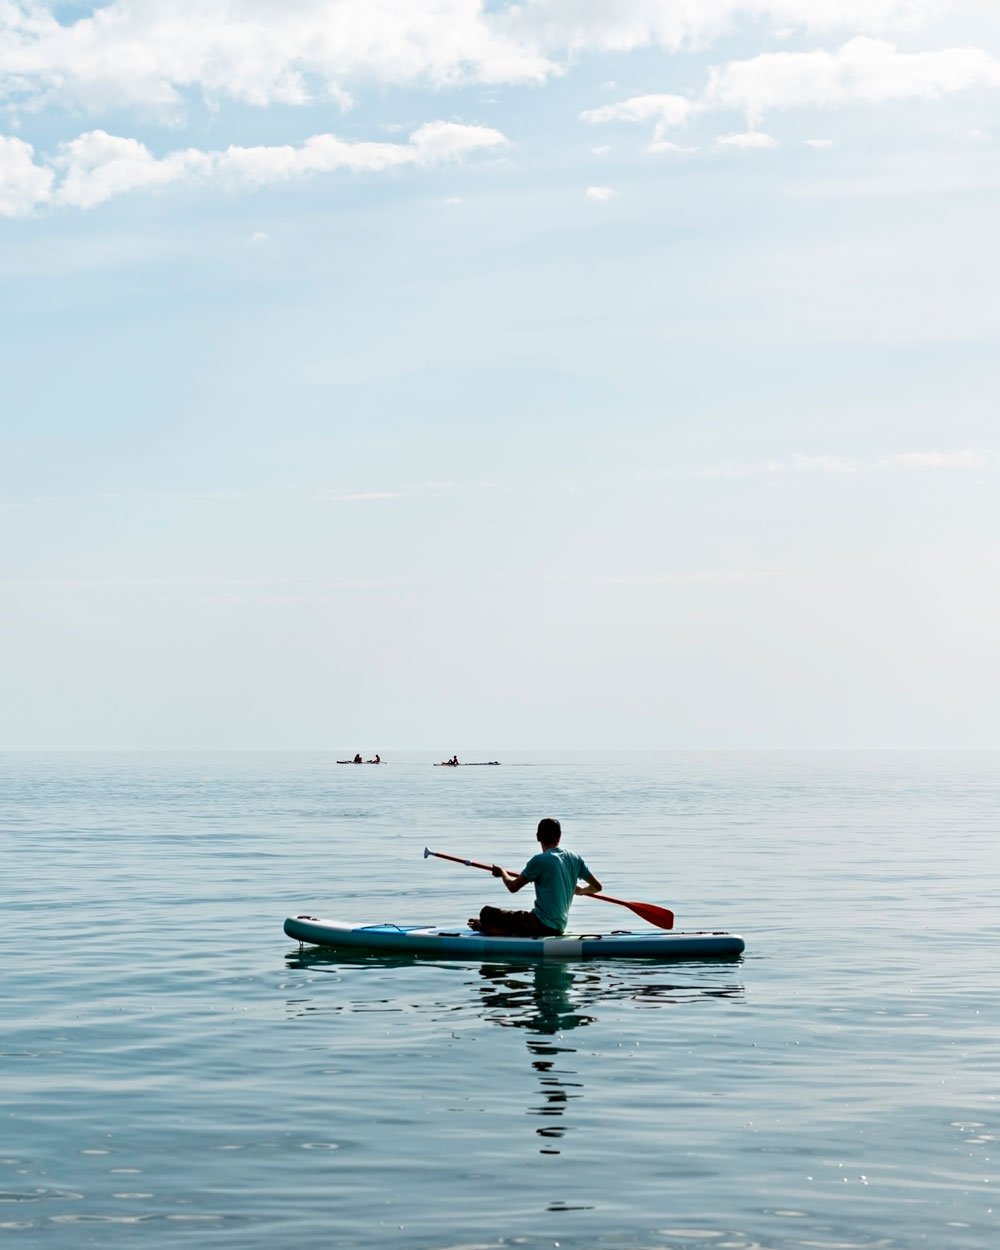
500	922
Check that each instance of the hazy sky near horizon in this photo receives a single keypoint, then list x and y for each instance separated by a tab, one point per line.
450	374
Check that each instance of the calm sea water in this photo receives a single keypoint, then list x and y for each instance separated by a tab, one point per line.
175	1070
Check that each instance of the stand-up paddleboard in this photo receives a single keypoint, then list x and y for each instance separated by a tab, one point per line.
464	943
472	764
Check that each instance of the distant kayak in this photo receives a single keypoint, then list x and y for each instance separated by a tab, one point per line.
360	761
473	764
462	943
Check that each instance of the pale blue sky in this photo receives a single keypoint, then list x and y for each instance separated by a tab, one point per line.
624	382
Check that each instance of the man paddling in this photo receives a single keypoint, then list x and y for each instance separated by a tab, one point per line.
555	873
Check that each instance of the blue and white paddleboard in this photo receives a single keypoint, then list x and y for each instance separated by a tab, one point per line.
463	943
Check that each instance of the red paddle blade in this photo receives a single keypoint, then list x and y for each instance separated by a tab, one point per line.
662	917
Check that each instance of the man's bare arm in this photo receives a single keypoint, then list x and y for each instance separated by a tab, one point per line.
512	880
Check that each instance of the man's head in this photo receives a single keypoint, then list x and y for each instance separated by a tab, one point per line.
549	831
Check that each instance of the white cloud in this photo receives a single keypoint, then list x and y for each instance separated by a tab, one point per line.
259	237
862	70
747	140
156	53
818	144
152	52
432	144
601	194
449	141
23	184
97	166
560	26
667	110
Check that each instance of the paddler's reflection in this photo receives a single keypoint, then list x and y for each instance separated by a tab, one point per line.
538	998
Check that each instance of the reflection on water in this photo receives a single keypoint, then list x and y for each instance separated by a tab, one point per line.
539	999
536	997
546	1000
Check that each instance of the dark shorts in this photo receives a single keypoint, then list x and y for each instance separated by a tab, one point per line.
499	921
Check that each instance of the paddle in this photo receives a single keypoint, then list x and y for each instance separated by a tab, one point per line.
662	917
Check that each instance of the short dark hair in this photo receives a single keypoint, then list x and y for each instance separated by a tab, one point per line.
549	830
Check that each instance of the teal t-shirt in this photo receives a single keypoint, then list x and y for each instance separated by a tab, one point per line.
555	873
